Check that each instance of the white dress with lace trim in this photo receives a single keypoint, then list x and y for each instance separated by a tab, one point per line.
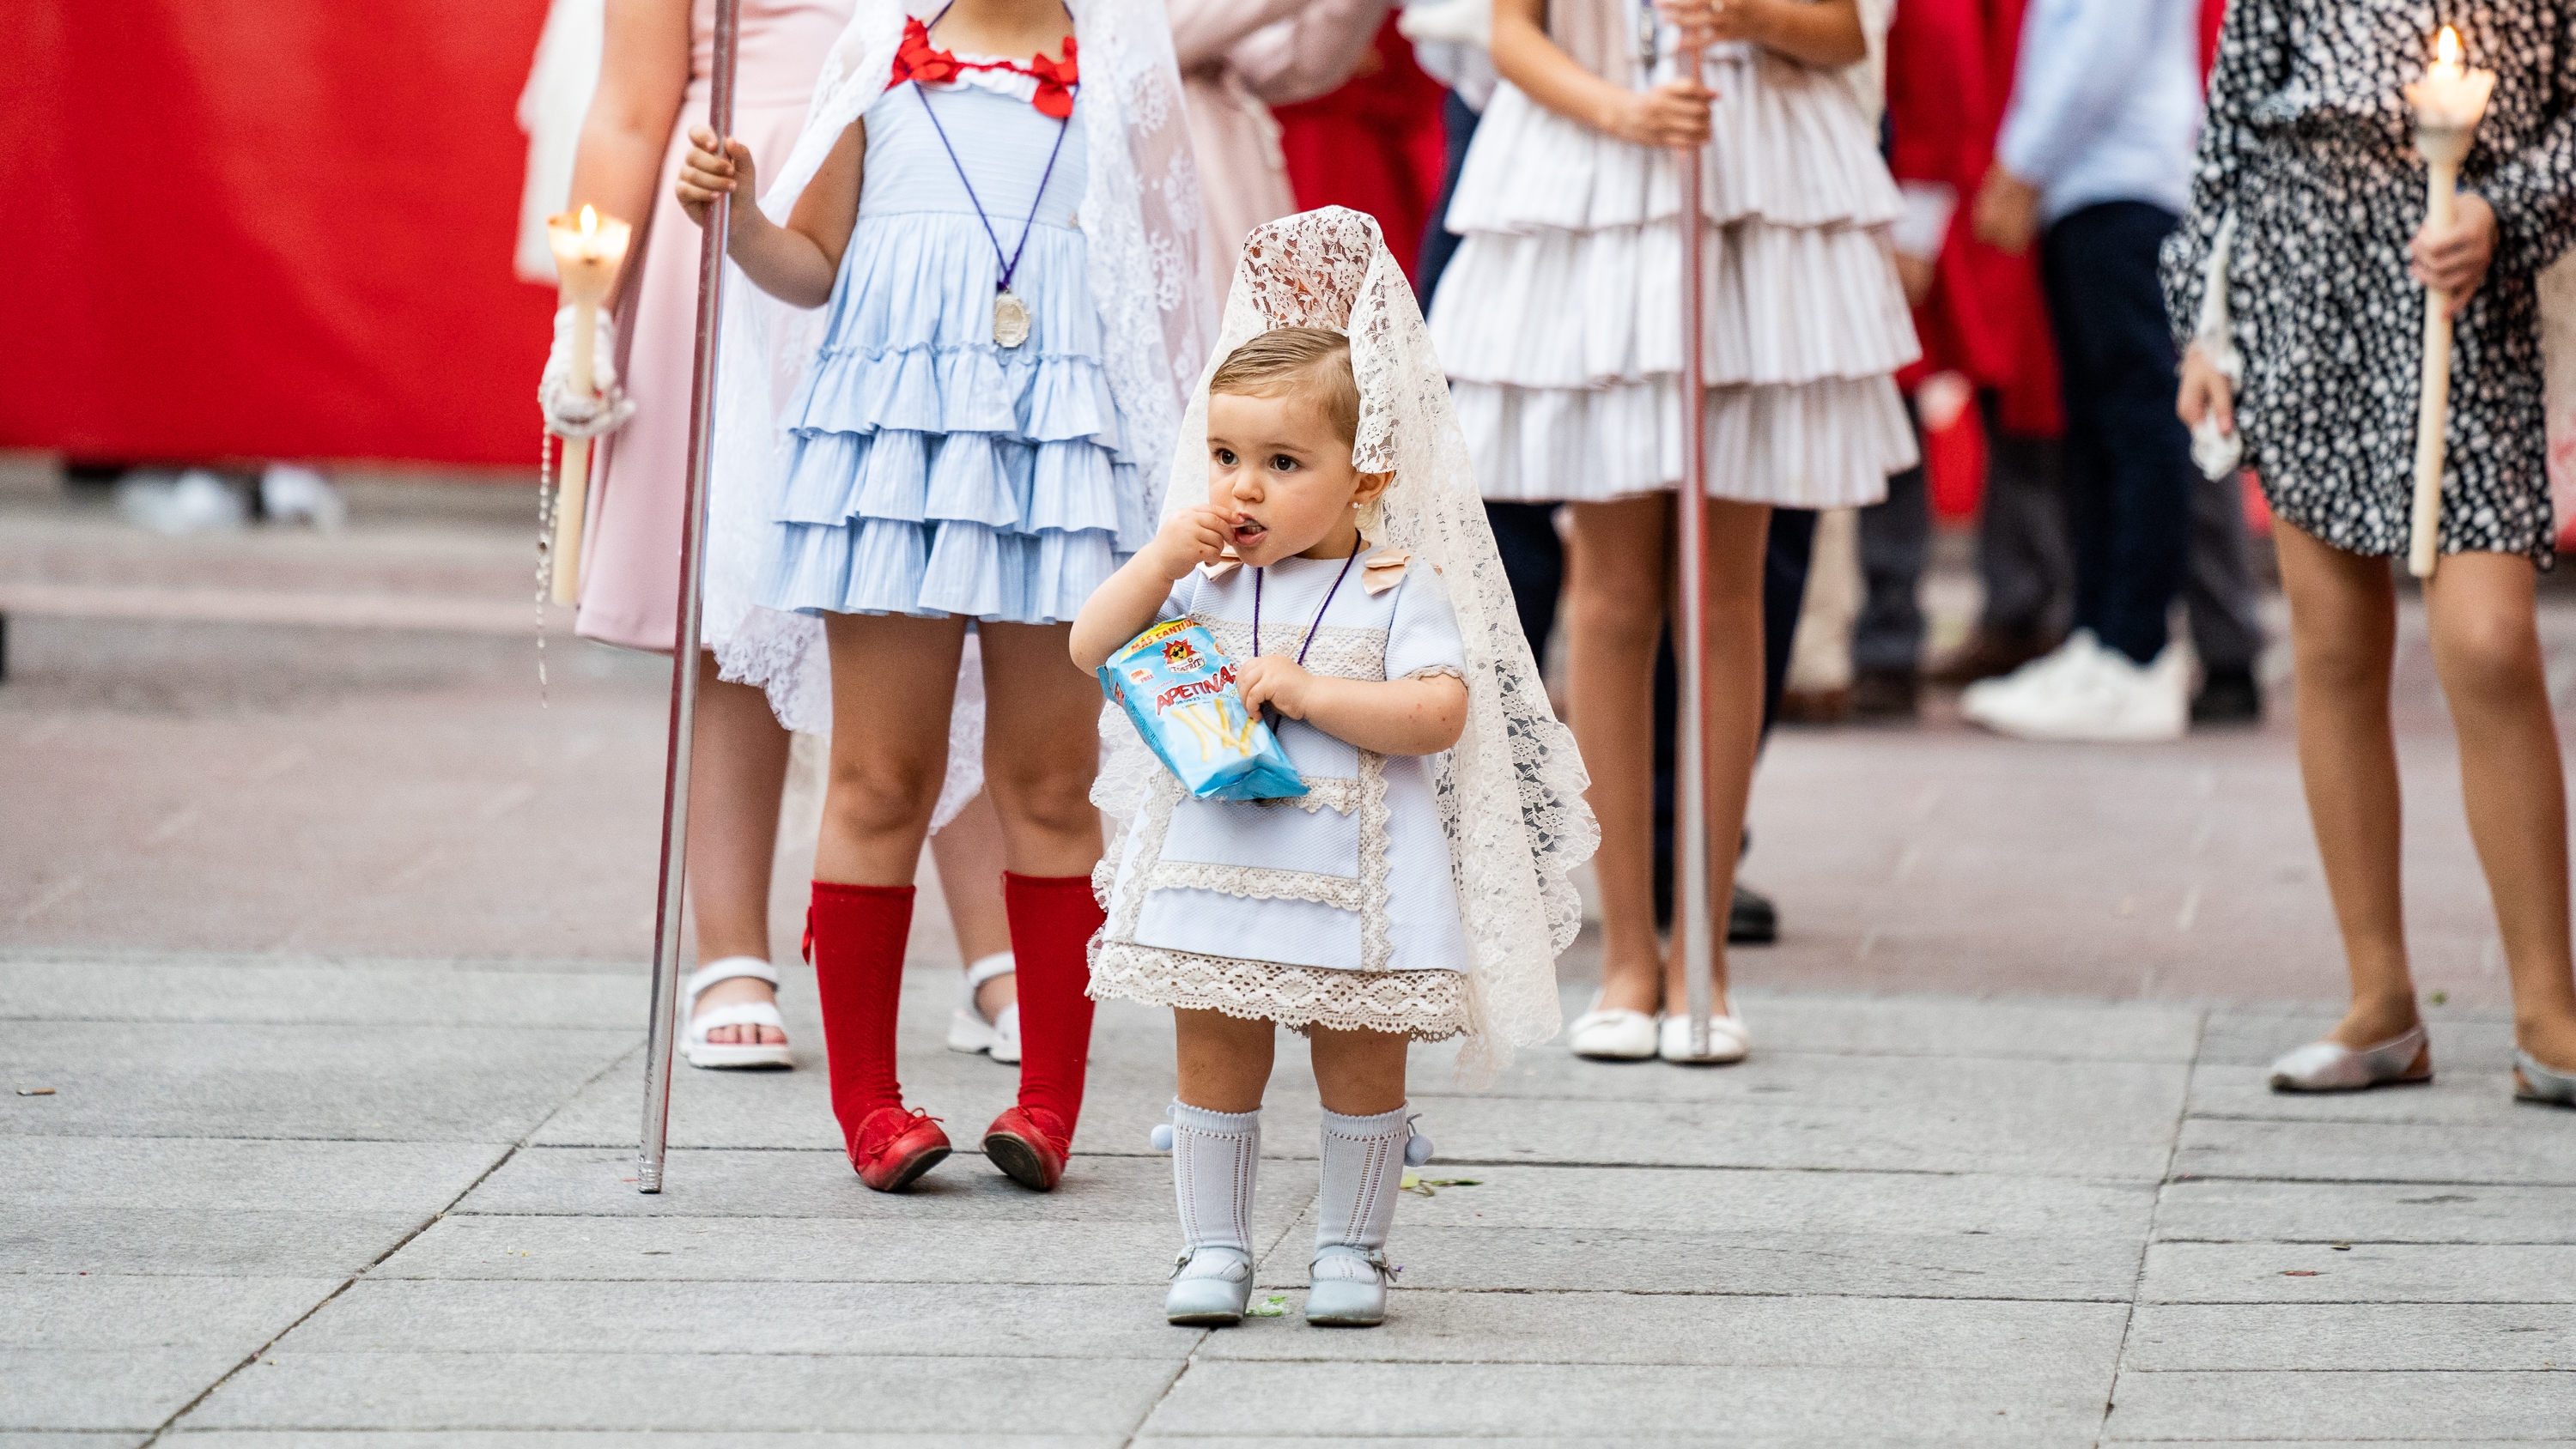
1351	899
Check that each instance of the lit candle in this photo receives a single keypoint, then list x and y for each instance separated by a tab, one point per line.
2449	101
589	249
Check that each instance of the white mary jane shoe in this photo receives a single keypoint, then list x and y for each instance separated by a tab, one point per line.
1209	1289
1612	1034
968	1031
2329	1066
720	1055
2533	1082
1728	1040
1346	1287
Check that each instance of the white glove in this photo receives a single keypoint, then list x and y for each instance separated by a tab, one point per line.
568	413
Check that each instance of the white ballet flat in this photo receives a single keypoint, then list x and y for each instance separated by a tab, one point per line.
2533	1082
1612	1034
1728	1040
722	1055
969	1031
1209	1289
1346	1287
2330	1066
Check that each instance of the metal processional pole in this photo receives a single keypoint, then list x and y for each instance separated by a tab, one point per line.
684	644
1699	952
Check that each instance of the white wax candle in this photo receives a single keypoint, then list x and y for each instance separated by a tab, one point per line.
2449	102
589	250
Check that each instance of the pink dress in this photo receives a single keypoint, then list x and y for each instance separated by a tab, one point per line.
630	573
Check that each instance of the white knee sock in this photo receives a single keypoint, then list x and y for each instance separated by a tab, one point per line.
1363	1170
1215	1157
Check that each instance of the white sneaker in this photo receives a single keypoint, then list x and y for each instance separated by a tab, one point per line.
2033	678
2100	697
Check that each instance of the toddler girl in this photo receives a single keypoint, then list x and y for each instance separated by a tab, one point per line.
963	447
1338	553
1560	320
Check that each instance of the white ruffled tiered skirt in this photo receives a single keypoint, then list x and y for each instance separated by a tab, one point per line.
1559	318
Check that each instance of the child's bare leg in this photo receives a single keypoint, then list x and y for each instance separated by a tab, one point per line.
893	681
1359	1073
1737	535
737	769
1615	587
969	852
2486	646
1041	749
2343	632
1224	1060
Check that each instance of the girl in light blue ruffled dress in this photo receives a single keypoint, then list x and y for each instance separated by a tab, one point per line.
959	454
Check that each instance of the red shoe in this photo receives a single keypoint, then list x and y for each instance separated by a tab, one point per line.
1022	1145
895	1146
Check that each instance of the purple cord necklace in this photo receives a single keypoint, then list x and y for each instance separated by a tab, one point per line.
1356	545
1010	314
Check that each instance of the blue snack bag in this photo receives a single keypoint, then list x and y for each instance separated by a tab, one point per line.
1178	690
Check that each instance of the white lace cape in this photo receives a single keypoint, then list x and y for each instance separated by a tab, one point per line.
1140	218
1511	791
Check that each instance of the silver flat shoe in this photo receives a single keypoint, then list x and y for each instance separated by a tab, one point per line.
2403	1060
1209	1289
2533	1082
1347	1288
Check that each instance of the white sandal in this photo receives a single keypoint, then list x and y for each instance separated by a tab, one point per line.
704	1053
969	1031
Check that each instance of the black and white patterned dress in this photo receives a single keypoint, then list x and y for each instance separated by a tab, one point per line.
2311	144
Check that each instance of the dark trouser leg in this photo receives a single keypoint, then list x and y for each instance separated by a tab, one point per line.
2022	553
2128	457
1534	563
1458	127
1895	538
2218	583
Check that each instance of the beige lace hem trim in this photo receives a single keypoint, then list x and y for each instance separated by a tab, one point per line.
1424	1005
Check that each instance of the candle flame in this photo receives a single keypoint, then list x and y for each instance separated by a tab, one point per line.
2446	50
590	218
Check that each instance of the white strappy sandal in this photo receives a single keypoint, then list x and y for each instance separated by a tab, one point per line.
704	1053
969	1031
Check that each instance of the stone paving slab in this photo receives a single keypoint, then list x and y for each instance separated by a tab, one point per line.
366	1082
2112	1120
2455	1098
2319	1212
1673	1328
107	1313
2367	1273
1889	1204
672	1392
936	1248
44	1439
2001	1406
594	1439
941	1320
2522	1337
2405	1407
2251	1036
405	994
126	1388
2536	1146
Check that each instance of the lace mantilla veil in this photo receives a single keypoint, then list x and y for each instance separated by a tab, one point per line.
1140	220
1511	791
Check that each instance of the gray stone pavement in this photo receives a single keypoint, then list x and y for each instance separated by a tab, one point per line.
329	943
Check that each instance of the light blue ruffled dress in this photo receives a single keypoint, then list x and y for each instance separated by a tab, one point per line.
936	472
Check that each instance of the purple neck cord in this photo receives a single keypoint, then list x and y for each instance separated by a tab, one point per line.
1011	263
1356	546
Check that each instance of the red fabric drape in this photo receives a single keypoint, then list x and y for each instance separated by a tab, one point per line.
1374	145
269	229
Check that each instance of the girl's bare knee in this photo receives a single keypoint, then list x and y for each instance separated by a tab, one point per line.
867	803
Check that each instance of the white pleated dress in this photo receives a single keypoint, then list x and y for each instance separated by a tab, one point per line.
1559	318
1333	909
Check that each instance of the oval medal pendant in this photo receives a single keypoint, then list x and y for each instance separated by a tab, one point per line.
1010	318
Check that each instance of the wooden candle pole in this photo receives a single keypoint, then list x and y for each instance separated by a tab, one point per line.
2448	104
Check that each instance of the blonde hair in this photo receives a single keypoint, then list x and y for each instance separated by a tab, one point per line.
1283	361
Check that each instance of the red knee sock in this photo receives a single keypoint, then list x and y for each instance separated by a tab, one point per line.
854	935
1053	919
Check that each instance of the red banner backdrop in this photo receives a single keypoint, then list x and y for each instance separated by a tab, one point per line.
268	229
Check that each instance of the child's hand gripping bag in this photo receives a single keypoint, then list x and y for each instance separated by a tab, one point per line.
1178	690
